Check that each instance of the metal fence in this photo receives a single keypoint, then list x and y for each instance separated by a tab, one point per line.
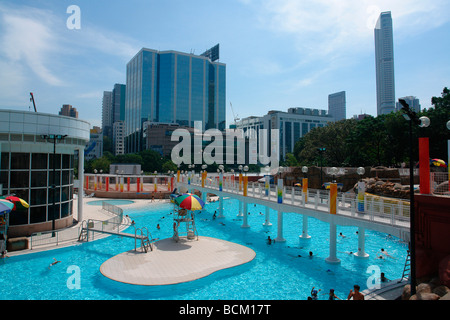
57	237
440	183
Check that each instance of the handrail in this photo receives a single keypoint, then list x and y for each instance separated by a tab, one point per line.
390	210
72	233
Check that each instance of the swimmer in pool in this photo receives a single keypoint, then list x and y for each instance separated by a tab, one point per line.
53	263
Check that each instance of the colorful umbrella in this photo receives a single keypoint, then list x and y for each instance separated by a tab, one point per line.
189	202
5	206
19	204
438	163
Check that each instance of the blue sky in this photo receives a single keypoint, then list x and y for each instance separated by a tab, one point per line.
279	53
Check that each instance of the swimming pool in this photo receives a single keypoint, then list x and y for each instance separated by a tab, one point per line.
113	202
281	271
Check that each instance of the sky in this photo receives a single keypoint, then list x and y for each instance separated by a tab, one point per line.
279	53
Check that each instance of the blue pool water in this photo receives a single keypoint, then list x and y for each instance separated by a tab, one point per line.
113	202
276	273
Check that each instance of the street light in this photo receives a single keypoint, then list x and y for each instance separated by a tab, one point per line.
54	138
361	172
423	122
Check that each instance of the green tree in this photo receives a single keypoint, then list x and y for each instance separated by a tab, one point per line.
168	166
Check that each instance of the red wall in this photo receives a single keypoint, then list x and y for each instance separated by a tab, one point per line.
432	217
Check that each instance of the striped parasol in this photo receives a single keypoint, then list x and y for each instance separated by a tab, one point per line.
19	204
189	202
5	206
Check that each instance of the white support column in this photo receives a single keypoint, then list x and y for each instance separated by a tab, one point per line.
241	208
245	219
361	244
267	220
204	193
81	181
220	207
304	234
332	258
279	237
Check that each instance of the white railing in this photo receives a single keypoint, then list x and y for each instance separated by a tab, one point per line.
387	210
71	234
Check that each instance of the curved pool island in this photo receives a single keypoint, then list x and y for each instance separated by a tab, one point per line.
173	262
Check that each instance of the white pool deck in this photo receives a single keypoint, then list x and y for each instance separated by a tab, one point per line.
173	262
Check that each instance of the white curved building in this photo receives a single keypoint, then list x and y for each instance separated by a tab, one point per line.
28	143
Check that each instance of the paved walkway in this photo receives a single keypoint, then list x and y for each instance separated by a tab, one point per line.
173	262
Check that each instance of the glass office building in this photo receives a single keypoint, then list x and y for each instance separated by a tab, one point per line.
337	106
172	87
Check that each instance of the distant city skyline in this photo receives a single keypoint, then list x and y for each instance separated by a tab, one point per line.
278	53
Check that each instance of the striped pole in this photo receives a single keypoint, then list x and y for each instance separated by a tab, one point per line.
305	190
333	197
245	187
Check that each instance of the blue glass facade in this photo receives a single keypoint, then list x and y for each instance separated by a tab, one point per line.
172	87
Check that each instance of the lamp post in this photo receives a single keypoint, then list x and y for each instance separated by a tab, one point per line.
411	116
54	138
321	150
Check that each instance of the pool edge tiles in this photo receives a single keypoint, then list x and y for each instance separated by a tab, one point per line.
173	262
116	202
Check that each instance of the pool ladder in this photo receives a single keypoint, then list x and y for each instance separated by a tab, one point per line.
143	235
407	268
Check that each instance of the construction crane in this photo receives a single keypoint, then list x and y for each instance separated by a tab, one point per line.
32	99
235	116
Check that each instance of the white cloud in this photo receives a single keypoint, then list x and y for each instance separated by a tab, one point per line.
327	34
28	42
39	53
336	27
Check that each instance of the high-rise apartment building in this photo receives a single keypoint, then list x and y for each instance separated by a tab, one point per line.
69	111
173	87
337	106
118	132
384	61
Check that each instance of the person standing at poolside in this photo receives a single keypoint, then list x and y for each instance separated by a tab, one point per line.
356	295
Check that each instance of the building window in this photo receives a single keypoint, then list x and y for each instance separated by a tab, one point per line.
30	176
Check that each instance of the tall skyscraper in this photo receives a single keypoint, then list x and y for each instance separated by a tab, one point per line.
384	61
173	87
107	114
118	103
337	105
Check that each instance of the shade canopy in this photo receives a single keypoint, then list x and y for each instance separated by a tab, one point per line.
189	202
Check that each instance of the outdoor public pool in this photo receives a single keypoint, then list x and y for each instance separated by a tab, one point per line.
280	271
